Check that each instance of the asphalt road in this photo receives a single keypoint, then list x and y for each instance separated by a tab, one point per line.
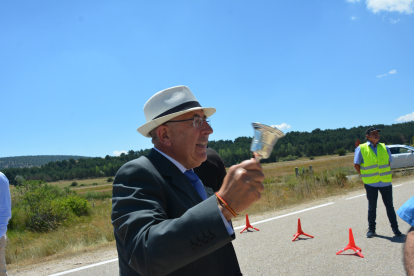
271	251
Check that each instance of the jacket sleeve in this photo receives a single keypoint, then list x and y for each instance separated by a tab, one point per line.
153	243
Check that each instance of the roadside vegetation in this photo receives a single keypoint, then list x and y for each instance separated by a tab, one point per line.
48	220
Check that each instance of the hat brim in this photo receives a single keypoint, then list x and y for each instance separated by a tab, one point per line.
147	127
377	130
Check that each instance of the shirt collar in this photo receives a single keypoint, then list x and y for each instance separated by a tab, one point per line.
371	144
175	162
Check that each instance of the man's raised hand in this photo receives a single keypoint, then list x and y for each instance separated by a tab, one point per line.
242	186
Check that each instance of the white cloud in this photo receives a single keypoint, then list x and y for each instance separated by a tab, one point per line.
283	126
353	17
402	6
406	118
118	153
352	1
394	21
390	72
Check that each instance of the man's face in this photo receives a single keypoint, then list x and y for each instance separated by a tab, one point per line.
373	136
188	143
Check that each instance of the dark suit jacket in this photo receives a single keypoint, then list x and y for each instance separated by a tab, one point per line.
162	226
212	171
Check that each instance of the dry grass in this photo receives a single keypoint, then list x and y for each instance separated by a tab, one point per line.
86	183
319	164
292	190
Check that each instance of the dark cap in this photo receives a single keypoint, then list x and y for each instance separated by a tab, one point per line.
371	129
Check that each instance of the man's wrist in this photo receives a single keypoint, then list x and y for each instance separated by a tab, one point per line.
226	213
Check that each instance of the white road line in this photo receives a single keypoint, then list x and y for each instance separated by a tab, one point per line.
83	267
282	216
354	196
397	185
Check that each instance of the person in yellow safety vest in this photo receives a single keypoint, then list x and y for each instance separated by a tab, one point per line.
372	161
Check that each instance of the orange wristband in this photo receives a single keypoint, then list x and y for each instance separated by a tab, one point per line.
226	205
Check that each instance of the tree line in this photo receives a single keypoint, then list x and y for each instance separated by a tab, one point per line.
295	144
33	160
316	143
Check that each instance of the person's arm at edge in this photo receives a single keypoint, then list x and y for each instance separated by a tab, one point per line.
358	160
409	252
390	156
5	209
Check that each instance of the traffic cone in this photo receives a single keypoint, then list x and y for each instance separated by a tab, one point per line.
352	245
300	232
248	225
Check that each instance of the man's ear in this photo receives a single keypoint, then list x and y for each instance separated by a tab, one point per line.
163	135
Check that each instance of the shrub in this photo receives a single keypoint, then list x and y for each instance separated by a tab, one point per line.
94	184
341	152
311	157
78	206
341	178
100	196
288	158
82	184
110	179
18	220
19	179
74	183
40	207
48	216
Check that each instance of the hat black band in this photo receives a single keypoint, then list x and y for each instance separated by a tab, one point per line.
178	108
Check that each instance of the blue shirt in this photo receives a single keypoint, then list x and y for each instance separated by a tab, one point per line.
5	204
406	212
358	159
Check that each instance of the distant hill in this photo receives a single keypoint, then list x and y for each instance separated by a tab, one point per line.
33	160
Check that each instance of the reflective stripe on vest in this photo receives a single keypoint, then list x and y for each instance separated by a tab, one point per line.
375	168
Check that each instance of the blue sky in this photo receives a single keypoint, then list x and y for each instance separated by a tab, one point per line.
75	75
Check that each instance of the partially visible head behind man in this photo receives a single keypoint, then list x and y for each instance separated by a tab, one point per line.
178	125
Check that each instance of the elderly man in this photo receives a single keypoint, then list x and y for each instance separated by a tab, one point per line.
165	221
372	161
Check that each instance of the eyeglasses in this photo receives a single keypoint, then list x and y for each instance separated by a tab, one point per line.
197	121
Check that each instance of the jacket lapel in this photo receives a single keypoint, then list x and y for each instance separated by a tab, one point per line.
168	170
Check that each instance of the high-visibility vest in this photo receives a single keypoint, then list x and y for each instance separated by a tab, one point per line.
376	167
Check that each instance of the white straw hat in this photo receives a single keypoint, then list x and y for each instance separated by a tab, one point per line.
168	104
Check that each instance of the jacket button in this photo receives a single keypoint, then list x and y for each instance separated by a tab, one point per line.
194	247
200	244
212	238
206	241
